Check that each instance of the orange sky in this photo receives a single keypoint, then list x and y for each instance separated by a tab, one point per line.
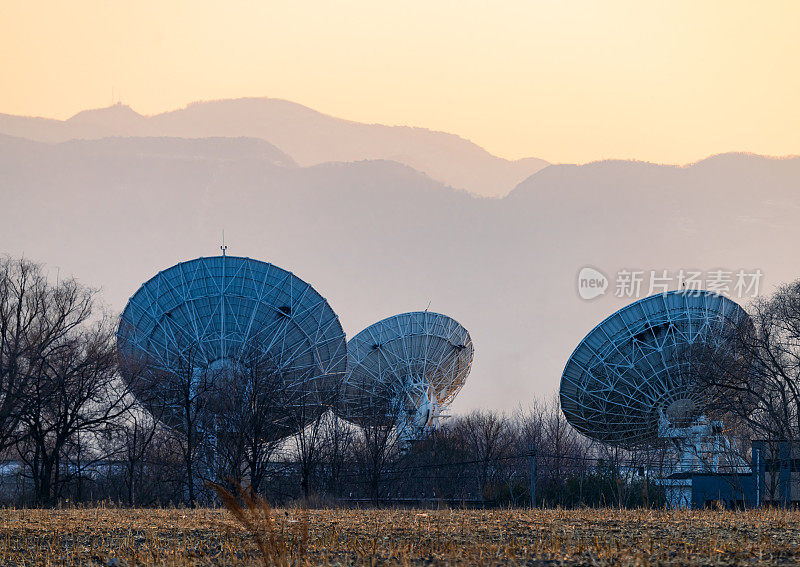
568	81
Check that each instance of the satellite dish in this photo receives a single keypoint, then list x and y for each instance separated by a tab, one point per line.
630	377
212	313
405	370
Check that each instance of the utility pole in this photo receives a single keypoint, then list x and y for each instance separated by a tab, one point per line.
758	478
532	455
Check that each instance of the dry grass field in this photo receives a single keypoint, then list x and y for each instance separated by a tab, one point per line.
109	536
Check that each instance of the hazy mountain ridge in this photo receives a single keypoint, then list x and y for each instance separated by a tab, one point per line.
308	136
187	148
217	149
377	238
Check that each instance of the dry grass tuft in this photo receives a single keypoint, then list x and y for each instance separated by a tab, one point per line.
281	548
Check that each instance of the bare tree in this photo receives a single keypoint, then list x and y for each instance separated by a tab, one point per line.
75	394
755	376
376	409
179	391
255	407
314	401
337	447
138	430
309	445
487	434
36	320
193	390
376	450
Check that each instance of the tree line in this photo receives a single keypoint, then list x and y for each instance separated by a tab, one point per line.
71	429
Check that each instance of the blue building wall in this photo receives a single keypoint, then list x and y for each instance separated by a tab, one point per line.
772	462
730	490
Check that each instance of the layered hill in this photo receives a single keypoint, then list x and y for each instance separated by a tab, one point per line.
377	237
308	136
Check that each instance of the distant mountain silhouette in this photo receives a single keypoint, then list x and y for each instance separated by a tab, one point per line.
306	135
378	238
116	120
186	148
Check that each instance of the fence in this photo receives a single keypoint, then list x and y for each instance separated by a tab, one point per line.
424	474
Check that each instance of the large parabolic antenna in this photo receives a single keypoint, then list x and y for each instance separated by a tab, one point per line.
211	313
405	370
631	372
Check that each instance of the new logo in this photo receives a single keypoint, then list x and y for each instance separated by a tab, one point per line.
591	283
